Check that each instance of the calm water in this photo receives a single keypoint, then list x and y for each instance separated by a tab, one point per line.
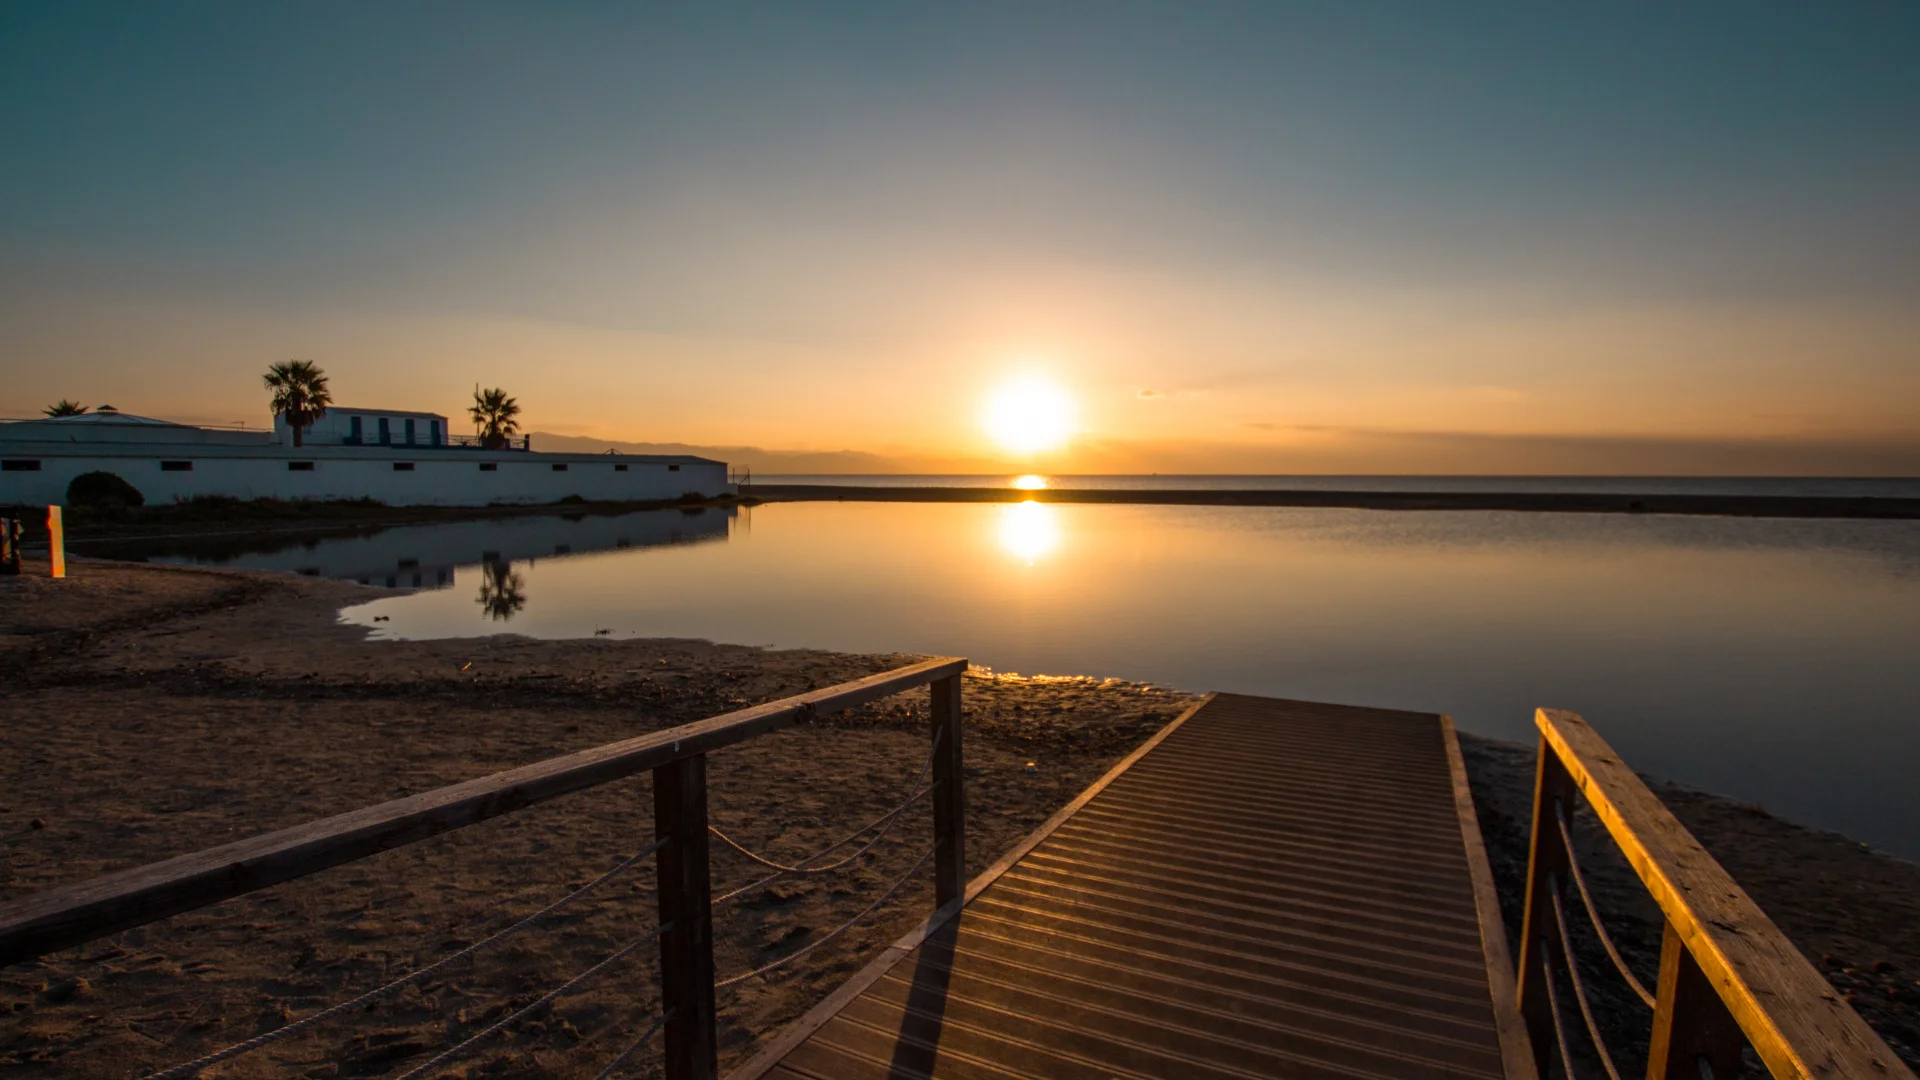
1771	660
1882	487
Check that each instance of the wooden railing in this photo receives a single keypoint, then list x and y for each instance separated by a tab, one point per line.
1728	976
72	915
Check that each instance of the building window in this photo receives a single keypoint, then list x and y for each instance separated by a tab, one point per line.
299	466
619	468
409	431
559	466
403	466
19	465
489	466
176	466
386	432
673	468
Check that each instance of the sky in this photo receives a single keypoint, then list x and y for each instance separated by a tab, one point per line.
1262	237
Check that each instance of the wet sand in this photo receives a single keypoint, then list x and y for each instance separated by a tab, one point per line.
152	711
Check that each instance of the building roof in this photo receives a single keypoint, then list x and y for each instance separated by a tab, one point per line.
109	416
344	409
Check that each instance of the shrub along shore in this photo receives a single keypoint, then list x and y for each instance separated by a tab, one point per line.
217	515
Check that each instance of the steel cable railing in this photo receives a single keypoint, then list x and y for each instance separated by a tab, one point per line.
1579	988
835	932
885	821
1593	912
1553	1007
619	1059
460	1049
194	1067
892	817
735	894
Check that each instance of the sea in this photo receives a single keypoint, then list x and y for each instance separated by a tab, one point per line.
1831	487
1775	661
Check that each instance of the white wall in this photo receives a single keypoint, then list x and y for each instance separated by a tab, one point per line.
336	426
443	477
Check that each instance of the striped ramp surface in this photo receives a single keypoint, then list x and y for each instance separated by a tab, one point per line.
1267	889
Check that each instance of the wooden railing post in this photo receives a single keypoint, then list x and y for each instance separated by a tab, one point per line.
686	945
1690	1021
949	794
1546	876
56	543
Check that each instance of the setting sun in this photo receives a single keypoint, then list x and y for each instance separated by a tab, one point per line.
1029	415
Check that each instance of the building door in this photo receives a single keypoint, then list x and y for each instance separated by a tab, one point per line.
386	432
409	431
433	435
354	434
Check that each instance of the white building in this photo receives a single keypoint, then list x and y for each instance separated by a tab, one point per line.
369	427
416	464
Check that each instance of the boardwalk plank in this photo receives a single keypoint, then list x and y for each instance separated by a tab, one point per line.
1270	888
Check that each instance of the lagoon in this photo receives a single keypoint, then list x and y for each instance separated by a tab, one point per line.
1770	660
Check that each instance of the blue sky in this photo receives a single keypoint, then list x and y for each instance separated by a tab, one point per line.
1301	227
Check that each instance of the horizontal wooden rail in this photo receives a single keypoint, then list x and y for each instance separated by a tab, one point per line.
1718	941
73	914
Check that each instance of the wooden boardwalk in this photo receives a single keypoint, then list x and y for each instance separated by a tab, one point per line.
1267	888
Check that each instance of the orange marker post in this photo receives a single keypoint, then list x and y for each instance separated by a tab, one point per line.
57	541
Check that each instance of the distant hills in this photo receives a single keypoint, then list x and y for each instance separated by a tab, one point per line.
749	457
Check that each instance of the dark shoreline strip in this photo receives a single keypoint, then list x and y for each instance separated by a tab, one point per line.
1771	506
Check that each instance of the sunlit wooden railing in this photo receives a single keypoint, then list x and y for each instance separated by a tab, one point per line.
63	917
1728	977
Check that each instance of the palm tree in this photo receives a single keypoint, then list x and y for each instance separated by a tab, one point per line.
494	415
299	394
63	407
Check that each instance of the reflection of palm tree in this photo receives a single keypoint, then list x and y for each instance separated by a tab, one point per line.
299	393
63	407
494	413
501	595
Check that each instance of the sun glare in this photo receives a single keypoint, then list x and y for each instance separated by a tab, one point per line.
1028	530
1029	415
1030	482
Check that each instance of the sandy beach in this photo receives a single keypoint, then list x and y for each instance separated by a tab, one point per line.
152	711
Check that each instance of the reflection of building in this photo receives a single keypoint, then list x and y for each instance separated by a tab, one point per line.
424	556
398	458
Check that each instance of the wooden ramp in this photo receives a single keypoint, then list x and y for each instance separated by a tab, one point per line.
1267	888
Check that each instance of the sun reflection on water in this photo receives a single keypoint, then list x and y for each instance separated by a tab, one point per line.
1029	530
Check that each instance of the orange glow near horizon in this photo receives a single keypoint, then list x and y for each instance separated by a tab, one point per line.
1029	482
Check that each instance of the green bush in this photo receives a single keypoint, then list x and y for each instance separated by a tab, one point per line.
103	491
